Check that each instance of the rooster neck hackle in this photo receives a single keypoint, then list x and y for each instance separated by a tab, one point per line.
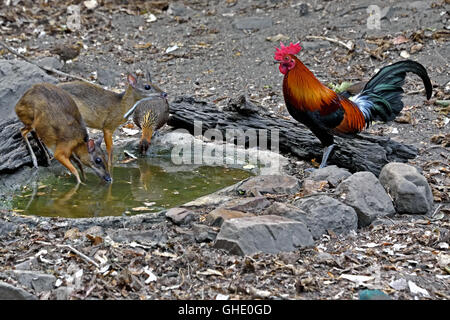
302	89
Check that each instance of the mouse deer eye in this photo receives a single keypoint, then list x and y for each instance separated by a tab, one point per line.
147	87
98	160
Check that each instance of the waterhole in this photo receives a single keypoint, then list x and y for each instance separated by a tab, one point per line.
146	185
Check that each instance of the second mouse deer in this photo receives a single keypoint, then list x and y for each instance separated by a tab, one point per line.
103	109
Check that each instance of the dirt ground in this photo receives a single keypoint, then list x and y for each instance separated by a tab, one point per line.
196	48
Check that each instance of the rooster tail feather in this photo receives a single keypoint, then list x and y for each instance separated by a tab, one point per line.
381	96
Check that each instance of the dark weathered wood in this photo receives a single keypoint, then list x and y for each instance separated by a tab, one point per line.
369	153
364	153
13	150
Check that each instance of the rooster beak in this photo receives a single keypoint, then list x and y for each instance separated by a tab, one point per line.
276	61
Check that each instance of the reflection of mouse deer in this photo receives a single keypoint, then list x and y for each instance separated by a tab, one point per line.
103	109
51	115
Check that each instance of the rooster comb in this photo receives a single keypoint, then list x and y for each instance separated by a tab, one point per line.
284	50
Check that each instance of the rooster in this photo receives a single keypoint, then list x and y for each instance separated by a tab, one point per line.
327	113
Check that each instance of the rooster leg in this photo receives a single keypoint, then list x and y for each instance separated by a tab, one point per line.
326	153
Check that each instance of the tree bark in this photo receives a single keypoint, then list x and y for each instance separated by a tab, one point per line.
363	153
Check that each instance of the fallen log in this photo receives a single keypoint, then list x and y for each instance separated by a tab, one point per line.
364	153
13	150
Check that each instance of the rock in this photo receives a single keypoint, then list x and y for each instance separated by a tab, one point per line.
219	215
364	193
408	189
325	213
213	199
49	62
252	23
253	204
333	174
311	186
178	9
180	216
9	292
27	264
285	210
204	233
267	234
17	76
7	227
34	280
272	184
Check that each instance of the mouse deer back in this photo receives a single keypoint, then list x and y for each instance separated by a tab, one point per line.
52	114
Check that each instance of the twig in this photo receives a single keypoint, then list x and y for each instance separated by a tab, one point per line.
48	69
350	46
82	255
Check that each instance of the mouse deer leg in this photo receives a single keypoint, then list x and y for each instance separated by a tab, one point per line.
24	131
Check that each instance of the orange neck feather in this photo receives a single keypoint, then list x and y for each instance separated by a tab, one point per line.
304	91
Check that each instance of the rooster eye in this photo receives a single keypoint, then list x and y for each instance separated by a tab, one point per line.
286	58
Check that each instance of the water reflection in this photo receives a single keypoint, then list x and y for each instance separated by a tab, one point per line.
145	185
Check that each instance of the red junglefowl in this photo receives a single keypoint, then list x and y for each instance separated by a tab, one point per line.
327	113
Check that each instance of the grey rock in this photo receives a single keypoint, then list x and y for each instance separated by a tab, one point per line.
180	216
17	76
272	184
285	210
178	9
27	265
325	213
333	174
9	292
7	227
364	193
253	204
50	62
204	233
34	280
267	234
408	189
252	23
219	215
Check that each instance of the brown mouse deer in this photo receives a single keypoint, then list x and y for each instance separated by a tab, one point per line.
52	114
103	109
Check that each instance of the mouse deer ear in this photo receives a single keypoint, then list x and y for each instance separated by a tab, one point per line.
91	145
132	81
149	77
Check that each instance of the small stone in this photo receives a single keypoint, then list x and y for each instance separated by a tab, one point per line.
252	204
34	280
219	215
271	184
333	174
311	186
204	233
9	292
364	193
180	216
324	213
267	234
408	189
